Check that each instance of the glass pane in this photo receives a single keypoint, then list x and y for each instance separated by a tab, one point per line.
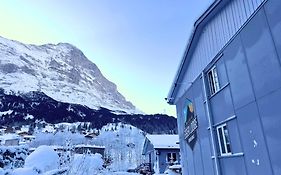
227	139
215	79
211	83
225	134
228	149
221	141
175	157
221	72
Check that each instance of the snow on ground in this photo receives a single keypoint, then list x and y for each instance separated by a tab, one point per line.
123	147
170	172
124	173
6	113
25	171
86	164
2	172
29	117
44	158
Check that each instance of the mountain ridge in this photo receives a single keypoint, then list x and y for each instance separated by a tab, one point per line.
61	71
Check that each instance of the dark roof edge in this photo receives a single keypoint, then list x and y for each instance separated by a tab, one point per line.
171	97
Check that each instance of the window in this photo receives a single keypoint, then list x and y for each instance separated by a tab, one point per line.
171	157
223	138
213	80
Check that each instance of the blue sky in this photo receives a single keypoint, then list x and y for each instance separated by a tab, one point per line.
137	44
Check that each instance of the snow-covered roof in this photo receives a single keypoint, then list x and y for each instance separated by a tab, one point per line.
164	141
89	146
29	136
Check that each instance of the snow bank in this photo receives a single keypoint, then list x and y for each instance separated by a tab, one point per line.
86	164
57	171
124	173
170	172
24	171
173	170
44	158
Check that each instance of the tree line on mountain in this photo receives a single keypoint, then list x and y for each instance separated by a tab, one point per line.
44	108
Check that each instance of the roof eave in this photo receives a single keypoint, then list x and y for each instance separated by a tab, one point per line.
174	88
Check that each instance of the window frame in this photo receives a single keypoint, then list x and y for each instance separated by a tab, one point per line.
173	158
223	140
213	80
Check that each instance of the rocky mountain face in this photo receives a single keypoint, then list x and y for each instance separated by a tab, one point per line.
57	83
61	71
33	107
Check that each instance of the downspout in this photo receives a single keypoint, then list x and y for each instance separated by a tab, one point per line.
209	116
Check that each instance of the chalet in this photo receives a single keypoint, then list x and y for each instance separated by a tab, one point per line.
90	135
28	138
9	130
89	149
161	151
227	90
9	139
22	133
2	130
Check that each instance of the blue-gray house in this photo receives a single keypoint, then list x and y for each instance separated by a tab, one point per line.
161	151
227	91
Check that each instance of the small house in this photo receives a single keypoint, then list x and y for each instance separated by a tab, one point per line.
9	139
2	130
161	151
28	138
90	135
91	149
10	130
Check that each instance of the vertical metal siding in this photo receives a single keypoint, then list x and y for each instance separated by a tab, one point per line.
242	12
215	36
218	30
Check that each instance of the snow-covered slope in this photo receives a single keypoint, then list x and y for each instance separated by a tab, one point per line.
60	71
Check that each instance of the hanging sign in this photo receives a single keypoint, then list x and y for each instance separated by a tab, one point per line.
190	125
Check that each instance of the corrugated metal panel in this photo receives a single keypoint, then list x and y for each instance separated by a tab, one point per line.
216	34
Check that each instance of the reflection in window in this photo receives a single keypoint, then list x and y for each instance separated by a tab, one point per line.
223	138
171	157
213	80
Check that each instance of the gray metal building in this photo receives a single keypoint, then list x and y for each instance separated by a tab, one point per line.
228	91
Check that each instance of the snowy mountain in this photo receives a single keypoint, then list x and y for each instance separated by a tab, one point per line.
61	71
